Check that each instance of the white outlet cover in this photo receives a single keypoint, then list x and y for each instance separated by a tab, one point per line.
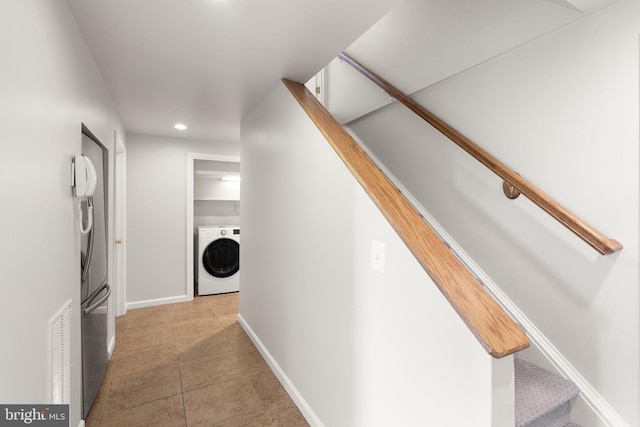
378	253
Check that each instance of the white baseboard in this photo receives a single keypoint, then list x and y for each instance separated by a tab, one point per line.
588	393
157	301
81	423
110	347
297	398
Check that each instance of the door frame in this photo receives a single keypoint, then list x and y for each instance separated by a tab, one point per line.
317	86
120	209
191	158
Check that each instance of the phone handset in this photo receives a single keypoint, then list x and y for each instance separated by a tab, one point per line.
84	180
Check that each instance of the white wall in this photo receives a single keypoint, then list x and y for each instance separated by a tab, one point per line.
49	85
156	214
563	112
421	42
360	347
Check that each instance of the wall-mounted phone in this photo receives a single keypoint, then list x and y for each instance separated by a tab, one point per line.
83	181
84	177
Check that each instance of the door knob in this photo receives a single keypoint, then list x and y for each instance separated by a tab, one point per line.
118	242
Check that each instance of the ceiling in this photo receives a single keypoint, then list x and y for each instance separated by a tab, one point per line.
207	63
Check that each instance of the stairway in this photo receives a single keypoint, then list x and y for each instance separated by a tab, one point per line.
543	399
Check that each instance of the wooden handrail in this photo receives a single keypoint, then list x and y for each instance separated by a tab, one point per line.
492	326
597	240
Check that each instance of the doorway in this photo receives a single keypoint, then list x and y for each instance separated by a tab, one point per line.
216	169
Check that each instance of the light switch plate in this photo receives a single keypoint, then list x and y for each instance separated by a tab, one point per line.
378	254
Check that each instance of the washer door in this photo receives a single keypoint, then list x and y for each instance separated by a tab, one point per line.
221	258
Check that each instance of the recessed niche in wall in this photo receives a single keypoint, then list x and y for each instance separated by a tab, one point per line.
214	180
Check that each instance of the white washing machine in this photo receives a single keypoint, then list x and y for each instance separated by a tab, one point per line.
218	259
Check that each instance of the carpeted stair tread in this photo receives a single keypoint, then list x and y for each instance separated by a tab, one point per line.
542	397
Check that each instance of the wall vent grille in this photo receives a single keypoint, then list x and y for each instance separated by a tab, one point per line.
60	356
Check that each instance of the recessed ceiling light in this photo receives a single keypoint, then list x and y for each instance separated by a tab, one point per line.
180	126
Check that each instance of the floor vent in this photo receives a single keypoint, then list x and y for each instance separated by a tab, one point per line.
60	355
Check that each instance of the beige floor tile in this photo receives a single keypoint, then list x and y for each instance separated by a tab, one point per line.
198	347
249	364
238	338
222	403
106	381
141	387
246	419
225	304
167	412
95	414
190	362
189	310
249	357
136	337
287	416
194	328
268	389
148	316
235	332
121	324
277	403
227	320
136	360
231	299
209	370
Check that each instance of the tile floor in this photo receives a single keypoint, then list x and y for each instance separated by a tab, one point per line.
189	364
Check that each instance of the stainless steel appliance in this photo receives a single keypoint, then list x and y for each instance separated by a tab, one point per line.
95	290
